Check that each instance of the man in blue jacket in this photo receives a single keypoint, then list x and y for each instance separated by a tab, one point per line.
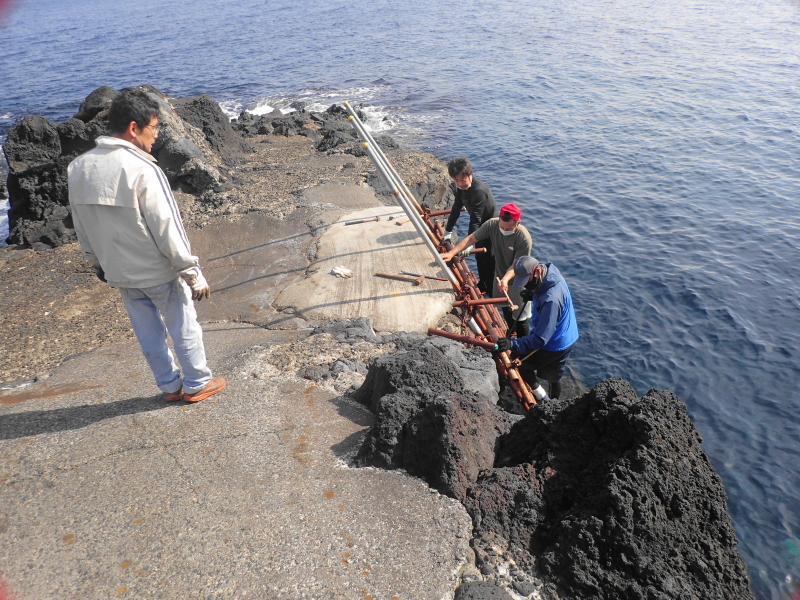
554	330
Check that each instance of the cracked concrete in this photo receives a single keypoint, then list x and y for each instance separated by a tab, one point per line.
110	492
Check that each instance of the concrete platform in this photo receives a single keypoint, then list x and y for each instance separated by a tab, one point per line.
277	272
366	249
110	492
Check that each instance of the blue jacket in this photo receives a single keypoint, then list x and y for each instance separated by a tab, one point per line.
553	324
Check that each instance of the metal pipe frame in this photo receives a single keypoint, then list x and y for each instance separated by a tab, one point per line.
479	314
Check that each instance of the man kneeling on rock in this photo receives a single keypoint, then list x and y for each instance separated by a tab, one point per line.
130	230
553	328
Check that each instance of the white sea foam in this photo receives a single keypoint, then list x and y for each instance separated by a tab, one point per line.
231	108
380	118
4	207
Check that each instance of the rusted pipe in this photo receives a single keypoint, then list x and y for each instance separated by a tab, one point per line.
463	339
441	213
469	302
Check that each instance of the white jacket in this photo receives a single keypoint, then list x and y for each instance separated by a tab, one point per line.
126	217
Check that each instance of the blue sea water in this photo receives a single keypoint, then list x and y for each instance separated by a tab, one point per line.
652	147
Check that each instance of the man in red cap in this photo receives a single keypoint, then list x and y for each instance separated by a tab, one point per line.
510	240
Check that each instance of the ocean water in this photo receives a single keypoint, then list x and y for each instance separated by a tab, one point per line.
653	148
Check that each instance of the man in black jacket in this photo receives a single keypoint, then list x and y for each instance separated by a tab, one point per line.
472	194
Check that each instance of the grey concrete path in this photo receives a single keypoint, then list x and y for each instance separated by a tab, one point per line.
365	249
109	492
277	273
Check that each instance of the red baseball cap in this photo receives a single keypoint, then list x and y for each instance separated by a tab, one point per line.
511	210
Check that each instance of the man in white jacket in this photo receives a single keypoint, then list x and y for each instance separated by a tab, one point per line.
130	230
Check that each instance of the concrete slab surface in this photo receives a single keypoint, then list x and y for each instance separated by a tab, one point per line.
366	249
110	492
248	260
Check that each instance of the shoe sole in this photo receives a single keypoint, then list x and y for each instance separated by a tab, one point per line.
174	397
203	394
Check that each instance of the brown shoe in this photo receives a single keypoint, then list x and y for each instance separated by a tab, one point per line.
174	396
217	384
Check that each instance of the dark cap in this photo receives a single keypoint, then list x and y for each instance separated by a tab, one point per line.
522	270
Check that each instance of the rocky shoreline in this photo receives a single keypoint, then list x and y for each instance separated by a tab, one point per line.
52	306
601	495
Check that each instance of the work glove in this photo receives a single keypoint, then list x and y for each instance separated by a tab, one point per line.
465	252
503	344
199	285
101	275
448	236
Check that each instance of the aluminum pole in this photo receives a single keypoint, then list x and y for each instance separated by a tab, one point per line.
367	137
415	220
391	176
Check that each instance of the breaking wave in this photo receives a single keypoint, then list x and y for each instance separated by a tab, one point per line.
380	117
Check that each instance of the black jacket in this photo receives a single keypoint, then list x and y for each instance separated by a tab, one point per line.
479	203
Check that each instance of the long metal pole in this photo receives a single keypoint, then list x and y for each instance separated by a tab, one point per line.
394	181
406	199
367	137
414	216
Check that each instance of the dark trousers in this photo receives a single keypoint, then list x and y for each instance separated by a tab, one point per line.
523	327
485	263
545	365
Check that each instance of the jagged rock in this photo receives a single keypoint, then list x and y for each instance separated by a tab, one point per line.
614	497
96	102
37	186
475	366
481	590
33	143
98	126
39	206
333	138
433	418
74	137
423	371
265	128
204	113
175	153
200	175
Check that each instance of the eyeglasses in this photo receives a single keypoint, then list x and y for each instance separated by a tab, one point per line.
156	128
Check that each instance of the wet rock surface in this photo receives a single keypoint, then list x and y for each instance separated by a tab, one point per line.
603	495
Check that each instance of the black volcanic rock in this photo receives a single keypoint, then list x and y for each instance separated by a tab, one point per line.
37	185
75	138
96	102
39	212
605	495
614	497
175	152
435	418
32	143
204	113
333	138
481	590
